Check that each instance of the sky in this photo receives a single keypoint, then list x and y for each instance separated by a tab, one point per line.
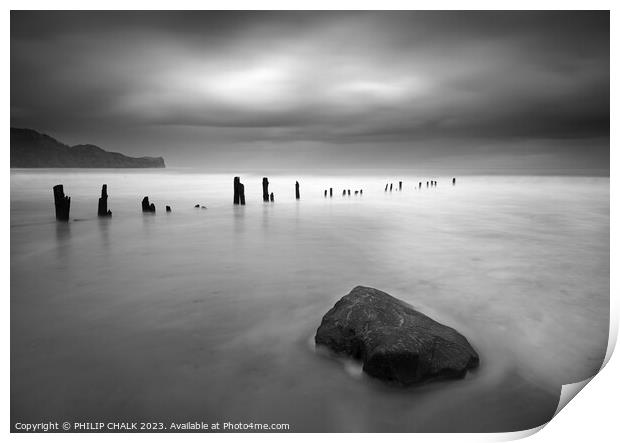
471	91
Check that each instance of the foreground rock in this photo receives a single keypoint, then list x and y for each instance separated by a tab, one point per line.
394	341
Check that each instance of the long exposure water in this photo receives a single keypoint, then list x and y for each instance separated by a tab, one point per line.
209	314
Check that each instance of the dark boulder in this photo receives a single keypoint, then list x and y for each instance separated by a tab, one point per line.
394	341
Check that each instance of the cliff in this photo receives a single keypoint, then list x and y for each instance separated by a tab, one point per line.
30	149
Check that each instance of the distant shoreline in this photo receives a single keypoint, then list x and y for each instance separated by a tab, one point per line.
31	149
438	172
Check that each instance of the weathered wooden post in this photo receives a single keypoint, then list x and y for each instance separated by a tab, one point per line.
325	193
361	191
453	181
348	192
241	194
390	187
331	192
146	206
400	186
420	185
297	190
168	208
357	192
386	186
236	191
344	192
271	197
265	189
62	203
427	184
102	209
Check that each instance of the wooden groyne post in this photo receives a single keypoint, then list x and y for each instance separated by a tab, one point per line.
453	181
239	192
271	197
296	190
400	186
146	206
62	203
102	209
331	192
265	189
236	191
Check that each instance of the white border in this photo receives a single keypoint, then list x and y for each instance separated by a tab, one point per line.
591	416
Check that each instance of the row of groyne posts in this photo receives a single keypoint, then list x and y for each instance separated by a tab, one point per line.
429	183
62	202
239	191
344	192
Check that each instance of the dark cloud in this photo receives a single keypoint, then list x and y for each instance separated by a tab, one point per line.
188	84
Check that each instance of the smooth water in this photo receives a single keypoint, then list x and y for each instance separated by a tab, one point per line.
210	314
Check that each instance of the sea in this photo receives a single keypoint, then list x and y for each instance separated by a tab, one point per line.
209	314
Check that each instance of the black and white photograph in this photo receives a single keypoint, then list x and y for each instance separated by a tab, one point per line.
306	221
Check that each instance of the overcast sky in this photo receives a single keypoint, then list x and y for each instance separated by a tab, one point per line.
506	90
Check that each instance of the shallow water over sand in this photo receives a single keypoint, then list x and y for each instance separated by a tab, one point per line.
209	314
